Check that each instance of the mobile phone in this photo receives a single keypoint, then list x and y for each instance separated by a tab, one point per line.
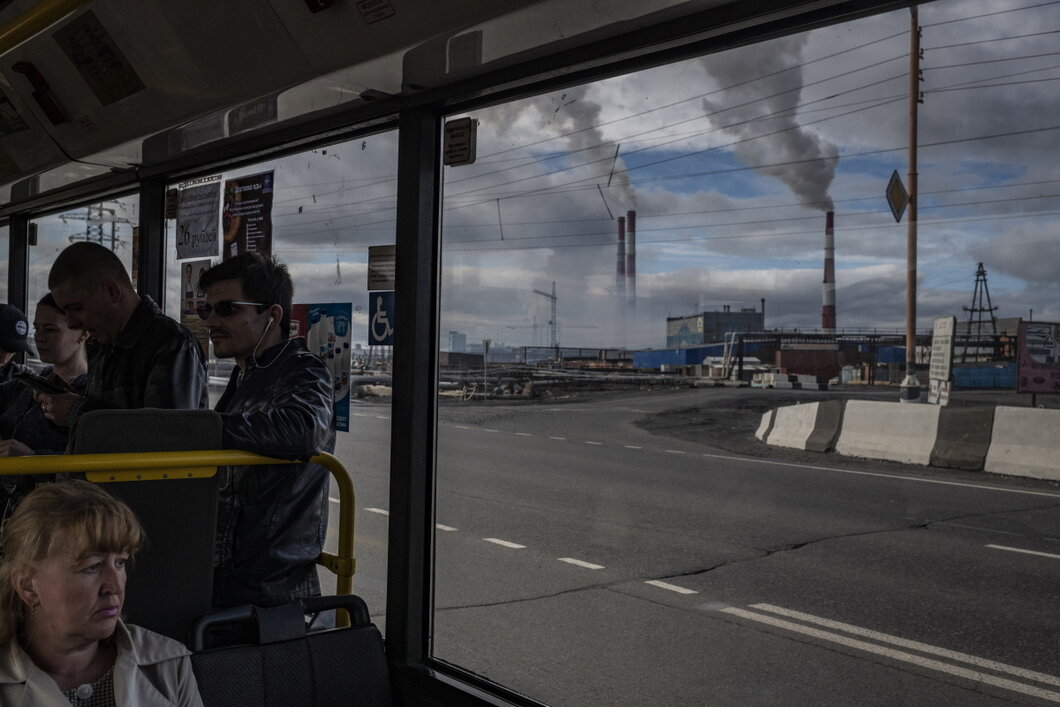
41	384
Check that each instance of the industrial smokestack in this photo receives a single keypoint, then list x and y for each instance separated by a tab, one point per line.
828	293
620	268
631	256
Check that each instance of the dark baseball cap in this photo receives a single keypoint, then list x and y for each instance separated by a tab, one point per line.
14	329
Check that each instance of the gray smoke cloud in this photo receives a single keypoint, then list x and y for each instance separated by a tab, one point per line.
796	153
574	119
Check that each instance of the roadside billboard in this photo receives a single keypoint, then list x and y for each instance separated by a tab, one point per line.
1039	358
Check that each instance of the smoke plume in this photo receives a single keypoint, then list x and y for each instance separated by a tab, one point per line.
804	162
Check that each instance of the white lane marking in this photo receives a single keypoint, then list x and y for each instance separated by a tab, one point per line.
1026	552
979	528
523	434
381	417
504	543
462	427
633	446
487	429
897	655
333	499
671	587
898	477
380	511
598	444
675	451
580	563
914	645
446	528
557	437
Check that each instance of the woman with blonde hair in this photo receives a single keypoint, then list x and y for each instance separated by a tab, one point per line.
62	587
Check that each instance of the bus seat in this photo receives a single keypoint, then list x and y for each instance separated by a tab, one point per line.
288	666
171	579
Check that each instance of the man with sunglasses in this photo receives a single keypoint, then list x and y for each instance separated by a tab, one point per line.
139	357
271	520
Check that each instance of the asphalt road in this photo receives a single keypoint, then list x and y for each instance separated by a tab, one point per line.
584	560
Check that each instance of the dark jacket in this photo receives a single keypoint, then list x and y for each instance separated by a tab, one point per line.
271	520
154	363
21	417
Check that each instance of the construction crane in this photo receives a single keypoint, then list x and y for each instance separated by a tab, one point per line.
553	325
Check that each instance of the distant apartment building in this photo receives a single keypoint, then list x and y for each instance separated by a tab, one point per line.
457	342
710	327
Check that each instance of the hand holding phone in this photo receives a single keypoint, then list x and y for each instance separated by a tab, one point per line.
42	384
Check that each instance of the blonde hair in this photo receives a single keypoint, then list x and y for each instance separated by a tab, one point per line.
70	515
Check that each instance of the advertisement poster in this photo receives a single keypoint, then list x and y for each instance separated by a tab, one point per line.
190	298
326	328
1039	358
246	217
197	220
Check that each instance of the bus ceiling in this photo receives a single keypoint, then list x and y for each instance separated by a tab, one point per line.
92	87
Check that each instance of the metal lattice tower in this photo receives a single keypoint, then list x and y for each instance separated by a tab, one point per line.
979	315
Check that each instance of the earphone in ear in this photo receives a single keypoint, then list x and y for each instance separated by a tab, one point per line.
268	324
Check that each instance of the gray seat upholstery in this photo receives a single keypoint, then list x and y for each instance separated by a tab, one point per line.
171	579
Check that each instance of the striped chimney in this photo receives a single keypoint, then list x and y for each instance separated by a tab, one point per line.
828	293
631	255
620	268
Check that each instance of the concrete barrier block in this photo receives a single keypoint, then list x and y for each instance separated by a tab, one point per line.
826	427
793	425
762	433
893	431
963	437
1025	443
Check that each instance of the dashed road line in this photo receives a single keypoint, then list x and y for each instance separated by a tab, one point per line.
893	654
674	451
598	444
671	587
559	438
913	645
333	499
632	446
580	563
446	528
504	543
462	427
380	511
523	434
487	429
1025	552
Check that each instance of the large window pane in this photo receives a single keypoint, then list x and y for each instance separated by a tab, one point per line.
329	206
110	223
610	530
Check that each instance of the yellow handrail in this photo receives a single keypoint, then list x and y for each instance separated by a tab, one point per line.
132	466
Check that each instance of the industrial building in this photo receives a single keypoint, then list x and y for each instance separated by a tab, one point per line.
711	327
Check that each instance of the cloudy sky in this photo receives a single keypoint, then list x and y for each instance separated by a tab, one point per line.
729	161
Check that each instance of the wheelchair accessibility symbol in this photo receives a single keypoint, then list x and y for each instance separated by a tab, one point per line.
381	321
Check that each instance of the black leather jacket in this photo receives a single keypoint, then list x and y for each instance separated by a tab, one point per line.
154	363
272	519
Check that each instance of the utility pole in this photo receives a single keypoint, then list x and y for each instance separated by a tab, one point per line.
910	391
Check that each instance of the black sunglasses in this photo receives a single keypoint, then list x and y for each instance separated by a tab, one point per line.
223	308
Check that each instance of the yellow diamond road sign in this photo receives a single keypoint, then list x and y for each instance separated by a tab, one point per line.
897	196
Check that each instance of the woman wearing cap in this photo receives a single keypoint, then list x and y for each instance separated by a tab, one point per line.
13	332
62	587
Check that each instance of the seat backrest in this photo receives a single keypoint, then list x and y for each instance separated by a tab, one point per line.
332	668
171	580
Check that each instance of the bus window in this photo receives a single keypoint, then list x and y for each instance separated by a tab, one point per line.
111	223
609	531
321	211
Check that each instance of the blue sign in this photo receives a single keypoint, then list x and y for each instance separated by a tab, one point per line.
381	318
